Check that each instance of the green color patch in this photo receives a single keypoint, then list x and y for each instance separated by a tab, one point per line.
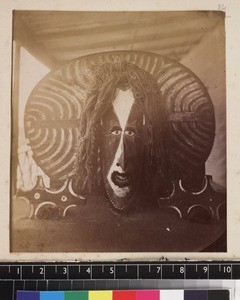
72	295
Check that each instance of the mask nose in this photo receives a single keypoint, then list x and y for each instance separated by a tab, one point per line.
121	161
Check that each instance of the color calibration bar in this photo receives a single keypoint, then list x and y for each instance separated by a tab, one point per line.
127	295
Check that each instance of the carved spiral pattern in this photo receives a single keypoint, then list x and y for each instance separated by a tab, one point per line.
54	109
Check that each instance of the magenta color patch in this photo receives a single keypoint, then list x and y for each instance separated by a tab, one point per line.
147	295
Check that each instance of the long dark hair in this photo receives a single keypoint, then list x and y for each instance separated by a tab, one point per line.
108	78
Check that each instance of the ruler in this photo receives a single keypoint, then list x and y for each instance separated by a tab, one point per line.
79	276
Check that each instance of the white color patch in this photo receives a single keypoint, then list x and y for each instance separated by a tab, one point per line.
172	294
122	106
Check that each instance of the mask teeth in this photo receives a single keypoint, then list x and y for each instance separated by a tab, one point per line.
144	121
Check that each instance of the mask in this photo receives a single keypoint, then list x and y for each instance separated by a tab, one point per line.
121	148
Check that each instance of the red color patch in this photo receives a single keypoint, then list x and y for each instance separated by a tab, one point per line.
124	295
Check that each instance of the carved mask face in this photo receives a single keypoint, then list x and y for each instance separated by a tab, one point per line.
122	150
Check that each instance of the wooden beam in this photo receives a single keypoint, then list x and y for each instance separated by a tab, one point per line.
14	114
191	37
26	39
191	21
166	46
44	22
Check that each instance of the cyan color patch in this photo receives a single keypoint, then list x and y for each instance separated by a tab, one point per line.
51	296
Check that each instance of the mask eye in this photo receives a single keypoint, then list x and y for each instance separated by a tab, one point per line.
116	131
129	132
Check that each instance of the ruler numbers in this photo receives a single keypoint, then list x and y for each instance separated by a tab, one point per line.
197	271
103	272
72	276
150	271
173	271
71	271
33	272
56	272
220	271
10	272
80	272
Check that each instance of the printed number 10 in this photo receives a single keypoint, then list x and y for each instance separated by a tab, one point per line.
227	269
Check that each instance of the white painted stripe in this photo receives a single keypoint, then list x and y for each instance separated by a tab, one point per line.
122	106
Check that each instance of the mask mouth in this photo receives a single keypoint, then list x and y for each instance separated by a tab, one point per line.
120	179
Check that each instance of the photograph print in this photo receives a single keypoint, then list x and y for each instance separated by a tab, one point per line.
118	132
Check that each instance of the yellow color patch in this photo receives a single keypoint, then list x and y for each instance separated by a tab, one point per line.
100	295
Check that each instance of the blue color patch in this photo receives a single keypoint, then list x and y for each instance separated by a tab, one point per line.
25	295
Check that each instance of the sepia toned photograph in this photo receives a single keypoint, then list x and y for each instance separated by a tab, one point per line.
118	132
